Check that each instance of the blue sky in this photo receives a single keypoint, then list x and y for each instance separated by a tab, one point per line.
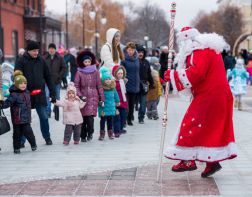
186	9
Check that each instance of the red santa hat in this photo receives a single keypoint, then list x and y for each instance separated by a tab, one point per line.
187	33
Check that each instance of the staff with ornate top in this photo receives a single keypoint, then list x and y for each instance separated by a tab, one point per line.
164	124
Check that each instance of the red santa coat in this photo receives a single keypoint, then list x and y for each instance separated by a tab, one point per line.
206	132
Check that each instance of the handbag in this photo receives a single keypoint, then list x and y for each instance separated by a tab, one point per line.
4	124
144	87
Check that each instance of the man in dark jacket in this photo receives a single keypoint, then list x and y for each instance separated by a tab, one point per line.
57	69
37	74
146	82
71	61
229	61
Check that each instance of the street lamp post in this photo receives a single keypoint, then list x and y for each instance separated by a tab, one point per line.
146	38
94	16
66	24
40	26
1	34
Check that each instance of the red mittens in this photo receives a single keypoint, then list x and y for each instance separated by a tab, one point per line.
35	92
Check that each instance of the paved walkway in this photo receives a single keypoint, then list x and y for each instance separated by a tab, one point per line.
62	166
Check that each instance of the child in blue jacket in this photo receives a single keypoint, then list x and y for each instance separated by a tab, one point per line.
107	110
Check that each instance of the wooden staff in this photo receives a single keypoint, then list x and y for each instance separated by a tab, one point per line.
164	124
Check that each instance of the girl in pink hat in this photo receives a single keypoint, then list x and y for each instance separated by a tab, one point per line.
72	117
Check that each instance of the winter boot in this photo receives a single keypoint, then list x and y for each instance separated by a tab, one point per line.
110	134
17	151
184	166
34	148
102	135
239	106
235	103
210	169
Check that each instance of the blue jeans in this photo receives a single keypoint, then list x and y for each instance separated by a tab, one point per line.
119	120
43	119
57	91
142	107
44	124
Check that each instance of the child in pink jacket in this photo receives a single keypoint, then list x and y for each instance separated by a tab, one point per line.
72	117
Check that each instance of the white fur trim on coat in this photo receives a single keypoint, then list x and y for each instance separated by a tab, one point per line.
183	78
175	90
188	34
202	153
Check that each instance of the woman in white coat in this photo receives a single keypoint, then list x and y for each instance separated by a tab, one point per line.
111	53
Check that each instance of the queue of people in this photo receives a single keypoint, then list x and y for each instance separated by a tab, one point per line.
109	90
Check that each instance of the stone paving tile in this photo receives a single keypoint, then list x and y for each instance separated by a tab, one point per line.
120	187
11	189
139	181
36	188
92	188
63	187
147	188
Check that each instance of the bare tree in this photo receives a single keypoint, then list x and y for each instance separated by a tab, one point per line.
150	20
227	21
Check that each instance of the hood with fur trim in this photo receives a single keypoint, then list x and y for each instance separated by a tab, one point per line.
85	53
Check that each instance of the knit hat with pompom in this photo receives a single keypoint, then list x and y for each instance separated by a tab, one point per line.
19	78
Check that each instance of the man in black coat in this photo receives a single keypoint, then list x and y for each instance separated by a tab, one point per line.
71	61
146	82
229	61
37	74
57	69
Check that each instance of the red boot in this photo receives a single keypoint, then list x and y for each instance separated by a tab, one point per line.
210	169
184	166
102	135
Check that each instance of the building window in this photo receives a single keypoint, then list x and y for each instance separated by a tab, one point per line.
27	3
14	38
33	4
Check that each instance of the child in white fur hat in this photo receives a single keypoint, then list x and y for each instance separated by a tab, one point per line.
72	117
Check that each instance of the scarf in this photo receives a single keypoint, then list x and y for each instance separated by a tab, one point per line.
123	89
88	69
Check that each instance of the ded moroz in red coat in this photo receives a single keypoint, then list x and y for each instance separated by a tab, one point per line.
206	132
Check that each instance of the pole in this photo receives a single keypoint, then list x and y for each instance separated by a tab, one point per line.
40	27
66	25
83	27
96	35
164	124
1	34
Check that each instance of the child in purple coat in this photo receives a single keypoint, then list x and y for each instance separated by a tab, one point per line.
88	84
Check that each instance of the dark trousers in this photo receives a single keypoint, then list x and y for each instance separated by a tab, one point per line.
119	120
142	108
23	130
64	81
75	129
87	128
131	97
109	120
